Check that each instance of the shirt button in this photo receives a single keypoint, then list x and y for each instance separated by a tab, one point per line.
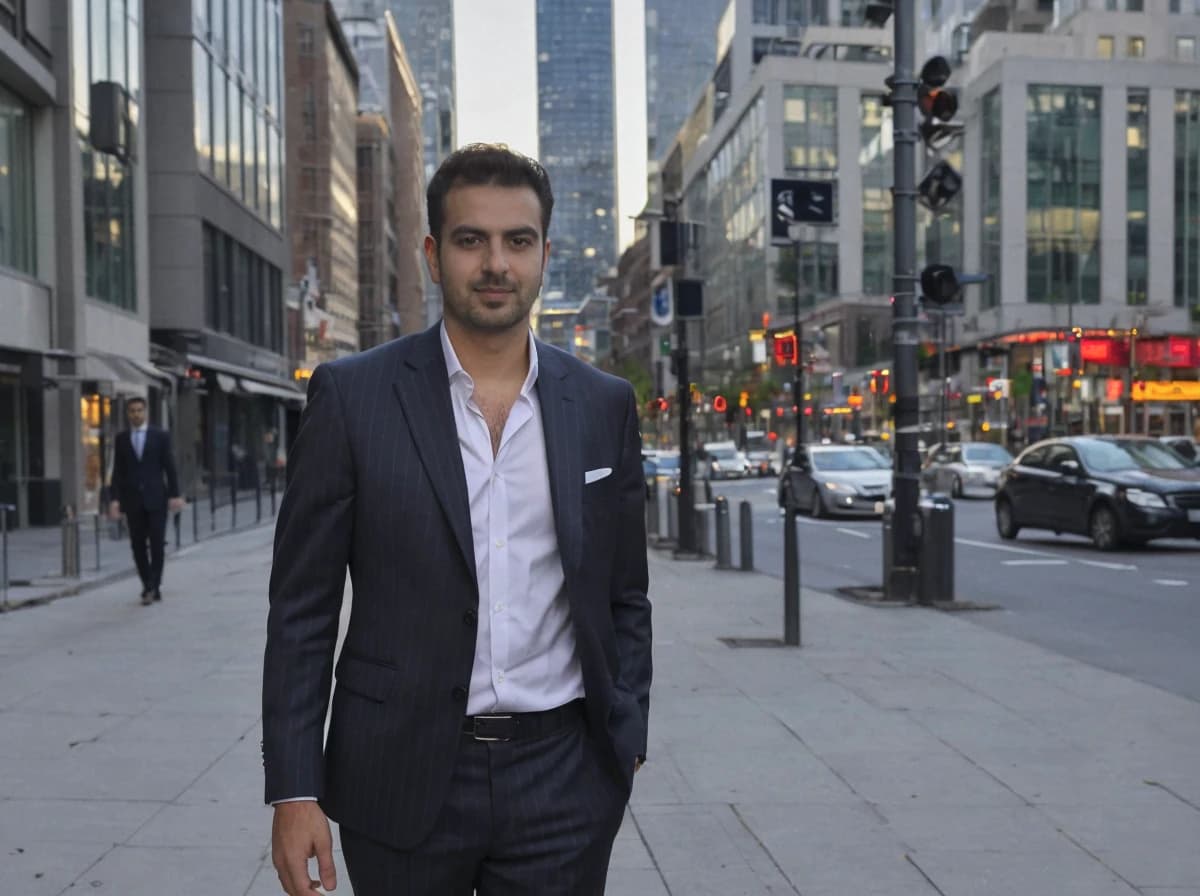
469	617
499	608
499	543
458	693
500	678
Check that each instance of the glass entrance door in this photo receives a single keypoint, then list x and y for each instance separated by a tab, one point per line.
12	461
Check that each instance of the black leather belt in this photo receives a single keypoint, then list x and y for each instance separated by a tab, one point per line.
499	727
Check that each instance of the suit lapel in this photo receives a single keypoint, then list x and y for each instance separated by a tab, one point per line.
423	388
561	426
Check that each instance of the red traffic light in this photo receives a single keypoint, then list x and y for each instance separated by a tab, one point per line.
785	350
720	404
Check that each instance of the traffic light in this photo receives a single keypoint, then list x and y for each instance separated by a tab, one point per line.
785	349
877	12
720	404
939	186
939	284
937	102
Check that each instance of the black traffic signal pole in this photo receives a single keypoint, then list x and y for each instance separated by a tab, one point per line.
683	398
902	582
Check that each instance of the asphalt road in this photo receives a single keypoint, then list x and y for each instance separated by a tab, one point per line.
1136	612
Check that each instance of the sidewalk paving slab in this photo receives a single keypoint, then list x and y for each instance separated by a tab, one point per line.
897	752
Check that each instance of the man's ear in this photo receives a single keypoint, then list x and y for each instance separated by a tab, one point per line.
431	259
545	257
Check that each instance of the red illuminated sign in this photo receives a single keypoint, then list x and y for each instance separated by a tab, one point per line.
1113	352
1168	351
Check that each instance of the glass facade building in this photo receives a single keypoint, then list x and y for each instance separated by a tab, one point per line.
1063	194
681	46
810	151
1137	186
729	199
576	140
875	161
990	198
238	88
17	249
1187	200
427	30
108	41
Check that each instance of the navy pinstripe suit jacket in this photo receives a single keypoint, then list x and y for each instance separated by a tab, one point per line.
376	485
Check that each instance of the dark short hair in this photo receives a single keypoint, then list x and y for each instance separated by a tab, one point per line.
134	399
483	164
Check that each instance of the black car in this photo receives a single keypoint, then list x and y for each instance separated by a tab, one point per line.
1114	490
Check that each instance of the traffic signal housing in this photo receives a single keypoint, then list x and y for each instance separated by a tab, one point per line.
939	284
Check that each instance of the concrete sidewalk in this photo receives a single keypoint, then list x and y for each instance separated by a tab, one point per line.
900	751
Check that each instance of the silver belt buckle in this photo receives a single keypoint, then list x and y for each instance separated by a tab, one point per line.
480	737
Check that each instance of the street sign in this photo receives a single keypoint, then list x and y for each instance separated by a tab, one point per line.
799	201
660	305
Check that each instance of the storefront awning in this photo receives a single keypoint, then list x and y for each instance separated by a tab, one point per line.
256	388
227	383
120	373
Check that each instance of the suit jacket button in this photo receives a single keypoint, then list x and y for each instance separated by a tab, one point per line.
458	693
469	617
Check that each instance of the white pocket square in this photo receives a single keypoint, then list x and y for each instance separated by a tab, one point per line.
596	475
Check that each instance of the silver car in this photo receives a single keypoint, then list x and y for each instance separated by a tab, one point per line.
836	479
964	468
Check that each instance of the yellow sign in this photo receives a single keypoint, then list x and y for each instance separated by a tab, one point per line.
301	373
1165	390
758	335
974	399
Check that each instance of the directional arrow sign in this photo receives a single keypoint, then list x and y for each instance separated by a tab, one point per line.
804	201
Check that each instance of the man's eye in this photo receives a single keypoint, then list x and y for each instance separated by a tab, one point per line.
467	241
522	241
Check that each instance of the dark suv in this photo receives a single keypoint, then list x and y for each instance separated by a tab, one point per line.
1113	489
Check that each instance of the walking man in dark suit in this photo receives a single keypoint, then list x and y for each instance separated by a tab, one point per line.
485	491
144	487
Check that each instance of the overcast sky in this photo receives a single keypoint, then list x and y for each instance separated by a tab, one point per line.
495	47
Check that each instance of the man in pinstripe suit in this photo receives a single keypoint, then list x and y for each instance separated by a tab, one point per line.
485	492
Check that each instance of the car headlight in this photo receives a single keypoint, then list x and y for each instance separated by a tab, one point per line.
1141	498
840	487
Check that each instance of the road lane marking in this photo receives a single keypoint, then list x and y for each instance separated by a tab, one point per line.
1035	563
1106	565
1171	583
1003	547
854	532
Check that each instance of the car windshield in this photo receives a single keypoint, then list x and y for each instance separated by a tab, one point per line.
986	454
1112	457
667	462
847	459
723	453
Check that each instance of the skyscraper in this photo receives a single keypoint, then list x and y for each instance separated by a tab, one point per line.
576	141
681	53
427	30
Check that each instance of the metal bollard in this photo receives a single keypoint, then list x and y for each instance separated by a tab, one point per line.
673	515
273	510
195	521
97	542
708	495
70	543
724	548
4	509
746	532
791	580
651	509
179	530
212	503
257	501
233	496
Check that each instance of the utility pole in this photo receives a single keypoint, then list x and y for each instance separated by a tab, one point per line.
902	583
683	400
798	359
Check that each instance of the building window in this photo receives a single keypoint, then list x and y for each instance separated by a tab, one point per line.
17	226
990	199
1137	182
810	130
308	113
304	39
875	160
242	292
1136	48
1105	46
112	35
202	110
1134	6
1063	219
220	119
1187	201
1185	48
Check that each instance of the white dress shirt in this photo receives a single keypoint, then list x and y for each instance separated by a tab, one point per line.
525	652
138	438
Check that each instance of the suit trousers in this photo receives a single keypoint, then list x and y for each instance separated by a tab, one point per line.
532	817
147	536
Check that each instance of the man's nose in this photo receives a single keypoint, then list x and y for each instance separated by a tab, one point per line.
496	259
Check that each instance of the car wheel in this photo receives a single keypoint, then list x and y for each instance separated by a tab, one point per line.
956	488
819	511
1006	525
1104	529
